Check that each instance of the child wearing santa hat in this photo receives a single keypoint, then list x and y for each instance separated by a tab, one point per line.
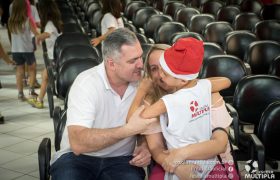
184	115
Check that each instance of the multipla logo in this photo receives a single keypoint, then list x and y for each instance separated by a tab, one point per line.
198	111
252	166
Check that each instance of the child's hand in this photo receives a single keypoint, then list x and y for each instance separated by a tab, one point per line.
146	84
95	41
173	160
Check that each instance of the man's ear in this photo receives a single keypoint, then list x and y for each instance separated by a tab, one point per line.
111	63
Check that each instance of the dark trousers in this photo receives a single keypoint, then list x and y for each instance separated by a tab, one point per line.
72	167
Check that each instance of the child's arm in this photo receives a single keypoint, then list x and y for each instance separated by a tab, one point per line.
154	110
219	83
142	91
97	40
42	37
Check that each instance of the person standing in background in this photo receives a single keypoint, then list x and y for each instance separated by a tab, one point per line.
51	28
22	48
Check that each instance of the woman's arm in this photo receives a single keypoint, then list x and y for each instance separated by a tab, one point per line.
219	83
96	41
42	37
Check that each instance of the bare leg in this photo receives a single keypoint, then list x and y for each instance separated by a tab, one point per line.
19	77
43	85
32	74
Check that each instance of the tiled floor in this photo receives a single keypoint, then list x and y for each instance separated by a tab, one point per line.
24	125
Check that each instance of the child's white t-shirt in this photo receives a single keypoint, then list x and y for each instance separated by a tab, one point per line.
109	21
188	121
51	29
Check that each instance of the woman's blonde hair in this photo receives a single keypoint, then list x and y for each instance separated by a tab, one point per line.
18	16
157	92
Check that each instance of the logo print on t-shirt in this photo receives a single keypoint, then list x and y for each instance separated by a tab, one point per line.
198	110
194	106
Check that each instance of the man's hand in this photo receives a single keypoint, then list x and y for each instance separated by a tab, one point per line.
136	124
141	156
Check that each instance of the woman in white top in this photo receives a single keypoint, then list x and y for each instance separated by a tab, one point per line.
111	20
51	27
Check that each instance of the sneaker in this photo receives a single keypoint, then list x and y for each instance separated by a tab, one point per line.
34	103
21	97
33	94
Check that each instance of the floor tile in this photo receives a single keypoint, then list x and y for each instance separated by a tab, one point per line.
24	148
8	140
26	177
24	165
29	132
7	156
7	174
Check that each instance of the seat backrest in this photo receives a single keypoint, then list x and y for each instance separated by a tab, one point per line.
211	49
78	51
274	67
185	14
72	27
154	22
68	73
142	38
44	157
268	30
233	2
228	13
199	21
211	7
245	21
269	130
91	8
159	4
271	11
68	39
253	94
146	48
197	3
260	54
237	42
131	27
172	7
179	35
95	21
225	66
216	31
253	6
132	7
165	31
141	15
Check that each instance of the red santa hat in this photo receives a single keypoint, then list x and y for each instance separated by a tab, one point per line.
184	59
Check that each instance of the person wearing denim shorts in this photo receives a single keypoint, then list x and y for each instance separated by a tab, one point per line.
22	48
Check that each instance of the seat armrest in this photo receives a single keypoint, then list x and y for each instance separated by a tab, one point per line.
235	123
257	147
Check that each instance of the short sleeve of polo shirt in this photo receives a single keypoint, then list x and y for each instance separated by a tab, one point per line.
81	103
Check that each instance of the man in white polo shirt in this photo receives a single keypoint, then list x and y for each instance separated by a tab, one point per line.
97	143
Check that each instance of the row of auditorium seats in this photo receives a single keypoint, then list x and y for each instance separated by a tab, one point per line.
239	55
